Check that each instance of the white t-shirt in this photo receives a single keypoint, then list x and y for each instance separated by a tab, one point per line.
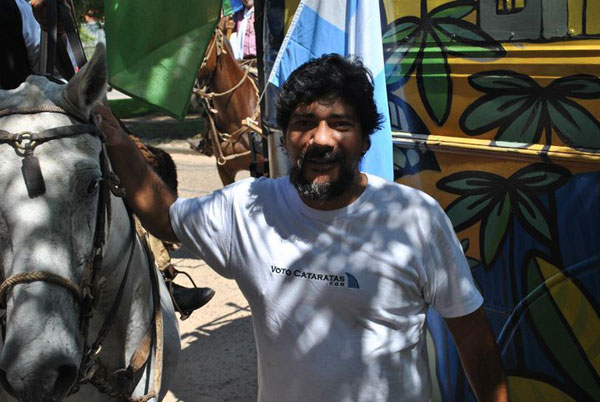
338	298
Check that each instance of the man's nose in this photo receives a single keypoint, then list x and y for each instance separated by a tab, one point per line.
324	135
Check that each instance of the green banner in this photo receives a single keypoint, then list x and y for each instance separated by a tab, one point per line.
155	48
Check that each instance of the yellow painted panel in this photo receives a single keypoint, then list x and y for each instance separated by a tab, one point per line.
395	9
593	17
527	390
577	311
431	4
576	17
472	18
290	10
543	62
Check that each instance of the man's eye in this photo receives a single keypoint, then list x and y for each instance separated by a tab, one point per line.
341	125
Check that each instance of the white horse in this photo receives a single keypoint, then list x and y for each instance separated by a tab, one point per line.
81	322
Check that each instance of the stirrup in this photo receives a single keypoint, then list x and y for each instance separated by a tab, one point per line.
169	274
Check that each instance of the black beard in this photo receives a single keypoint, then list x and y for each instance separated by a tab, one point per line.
321	192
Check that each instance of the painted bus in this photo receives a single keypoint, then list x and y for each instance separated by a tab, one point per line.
495	108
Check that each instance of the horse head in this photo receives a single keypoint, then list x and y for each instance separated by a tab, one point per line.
211	58
229	96
231	93
50	176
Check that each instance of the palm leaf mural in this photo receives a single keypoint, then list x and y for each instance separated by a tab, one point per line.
422	44
493	200
465	244
409	161
523	111
403	118
567	323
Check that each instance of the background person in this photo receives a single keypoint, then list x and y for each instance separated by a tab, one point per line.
339	267
243	36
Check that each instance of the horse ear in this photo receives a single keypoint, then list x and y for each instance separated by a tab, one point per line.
88	86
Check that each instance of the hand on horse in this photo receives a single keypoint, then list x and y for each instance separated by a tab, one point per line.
40	14
108	123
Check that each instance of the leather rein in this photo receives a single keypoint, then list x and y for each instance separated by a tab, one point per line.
119	384
248	124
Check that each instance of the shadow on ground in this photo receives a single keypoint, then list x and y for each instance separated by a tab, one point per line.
218	364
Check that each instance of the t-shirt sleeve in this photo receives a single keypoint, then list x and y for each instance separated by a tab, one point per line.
450	288
203	226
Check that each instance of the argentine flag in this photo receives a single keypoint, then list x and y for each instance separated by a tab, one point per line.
349	28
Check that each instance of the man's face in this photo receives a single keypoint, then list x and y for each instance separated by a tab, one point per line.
248	3
325	143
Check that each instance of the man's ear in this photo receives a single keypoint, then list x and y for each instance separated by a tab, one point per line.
366	145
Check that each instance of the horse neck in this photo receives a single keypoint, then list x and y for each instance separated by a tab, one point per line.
239	104
133	309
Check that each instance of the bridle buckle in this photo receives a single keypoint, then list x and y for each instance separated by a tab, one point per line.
24	141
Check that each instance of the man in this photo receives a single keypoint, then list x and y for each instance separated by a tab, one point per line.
339	267
243	37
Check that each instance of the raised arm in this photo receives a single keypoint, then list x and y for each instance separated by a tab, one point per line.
479	356
146	194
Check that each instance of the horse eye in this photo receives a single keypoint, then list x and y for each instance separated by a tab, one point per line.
93	186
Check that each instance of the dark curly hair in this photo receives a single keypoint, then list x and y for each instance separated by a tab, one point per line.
330	76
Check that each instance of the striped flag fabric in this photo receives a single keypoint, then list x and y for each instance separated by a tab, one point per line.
349	28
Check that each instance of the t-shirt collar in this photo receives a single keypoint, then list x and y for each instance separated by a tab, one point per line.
296	203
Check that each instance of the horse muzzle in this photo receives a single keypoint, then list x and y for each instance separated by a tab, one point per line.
40	358
52	384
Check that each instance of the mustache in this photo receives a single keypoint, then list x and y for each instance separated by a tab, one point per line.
323	154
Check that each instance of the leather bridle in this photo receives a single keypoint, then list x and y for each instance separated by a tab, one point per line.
87	291
54	44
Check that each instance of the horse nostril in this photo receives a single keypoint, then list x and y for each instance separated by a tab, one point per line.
6	385
67	375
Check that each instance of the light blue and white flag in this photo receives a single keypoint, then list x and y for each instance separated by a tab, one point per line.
349	28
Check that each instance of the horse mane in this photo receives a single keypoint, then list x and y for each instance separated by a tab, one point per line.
161	162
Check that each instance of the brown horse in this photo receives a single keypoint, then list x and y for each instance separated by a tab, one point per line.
229	97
